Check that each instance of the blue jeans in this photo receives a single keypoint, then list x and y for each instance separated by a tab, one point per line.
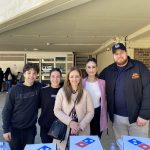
8	85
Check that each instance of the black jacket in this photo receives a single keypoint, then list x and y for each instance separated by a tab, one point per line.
21	107
136	89
47	101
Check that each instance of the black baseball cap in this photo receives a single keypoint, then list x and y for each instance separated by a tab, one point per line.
118	46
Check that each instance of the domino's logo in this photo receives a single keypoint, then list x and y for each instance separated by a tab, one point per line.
44	148
85	142
140	144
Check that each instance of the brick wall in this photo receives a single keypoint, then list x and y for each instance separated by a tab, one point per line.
143	55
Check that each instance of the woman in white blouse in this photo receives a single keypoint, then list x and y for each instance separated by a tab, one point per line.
96	88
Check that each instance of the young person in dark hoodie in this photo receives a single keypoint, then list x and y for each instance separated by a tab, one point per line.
21	109
47	99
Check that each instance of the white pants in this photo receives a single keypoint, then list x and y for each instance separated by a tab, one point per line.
121	126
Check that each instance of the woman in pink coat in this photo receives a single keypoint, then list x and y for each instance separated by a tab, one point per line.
73	94
96	88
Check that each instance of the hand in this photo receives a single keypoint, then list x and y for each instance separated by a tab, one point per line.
74	132
75	127
7	136
141	122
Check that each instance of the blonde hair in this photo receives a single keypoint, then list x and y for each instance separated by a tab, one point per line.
68	88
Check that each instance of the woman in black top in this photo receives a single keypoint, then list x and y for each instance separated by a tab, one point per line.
47	101
8	79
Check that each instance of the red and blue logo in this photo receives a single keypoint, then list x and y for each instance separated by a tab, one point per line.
85	142
140	144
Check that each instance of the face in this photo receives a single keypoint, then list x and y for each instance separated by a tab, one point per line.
91	68
55	78
74	78
120	57
30	76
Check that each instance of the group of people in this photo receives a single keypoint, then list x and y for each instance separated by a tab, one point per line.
122	87
6	77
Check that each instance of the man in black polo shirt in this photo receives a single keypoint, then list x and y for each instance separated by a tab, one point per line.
128	94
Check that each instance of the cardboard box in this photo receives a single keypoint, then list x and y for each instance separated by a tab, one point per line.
136	143
49	146
4	145
85	143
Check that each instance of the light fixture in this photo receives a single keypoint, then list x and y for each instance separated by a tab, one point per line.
47	43
35	49
108	49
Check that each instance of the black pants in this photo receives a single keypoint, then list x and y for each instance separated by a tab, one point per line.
45	138
95	123
21	137
1	85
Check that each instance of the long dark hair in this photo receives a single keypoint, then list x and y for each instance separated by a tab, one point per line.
68	89
8	71
94	61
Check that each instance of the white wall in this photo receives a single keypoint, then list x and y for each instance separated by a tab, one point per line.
130	52
104	59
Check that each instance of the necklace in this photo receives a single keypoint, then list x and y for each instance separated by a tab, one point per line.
74	91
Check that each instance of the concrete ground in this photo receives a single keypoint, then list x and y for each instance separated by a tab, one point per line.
106	139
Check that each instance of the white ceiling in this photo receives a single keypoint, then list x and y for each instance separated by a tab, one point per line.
83	28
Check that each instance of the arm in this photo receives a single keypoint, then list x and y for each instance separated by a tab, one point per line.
40	99
58	108
7	114
145	105
144	113
89	114
41	86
